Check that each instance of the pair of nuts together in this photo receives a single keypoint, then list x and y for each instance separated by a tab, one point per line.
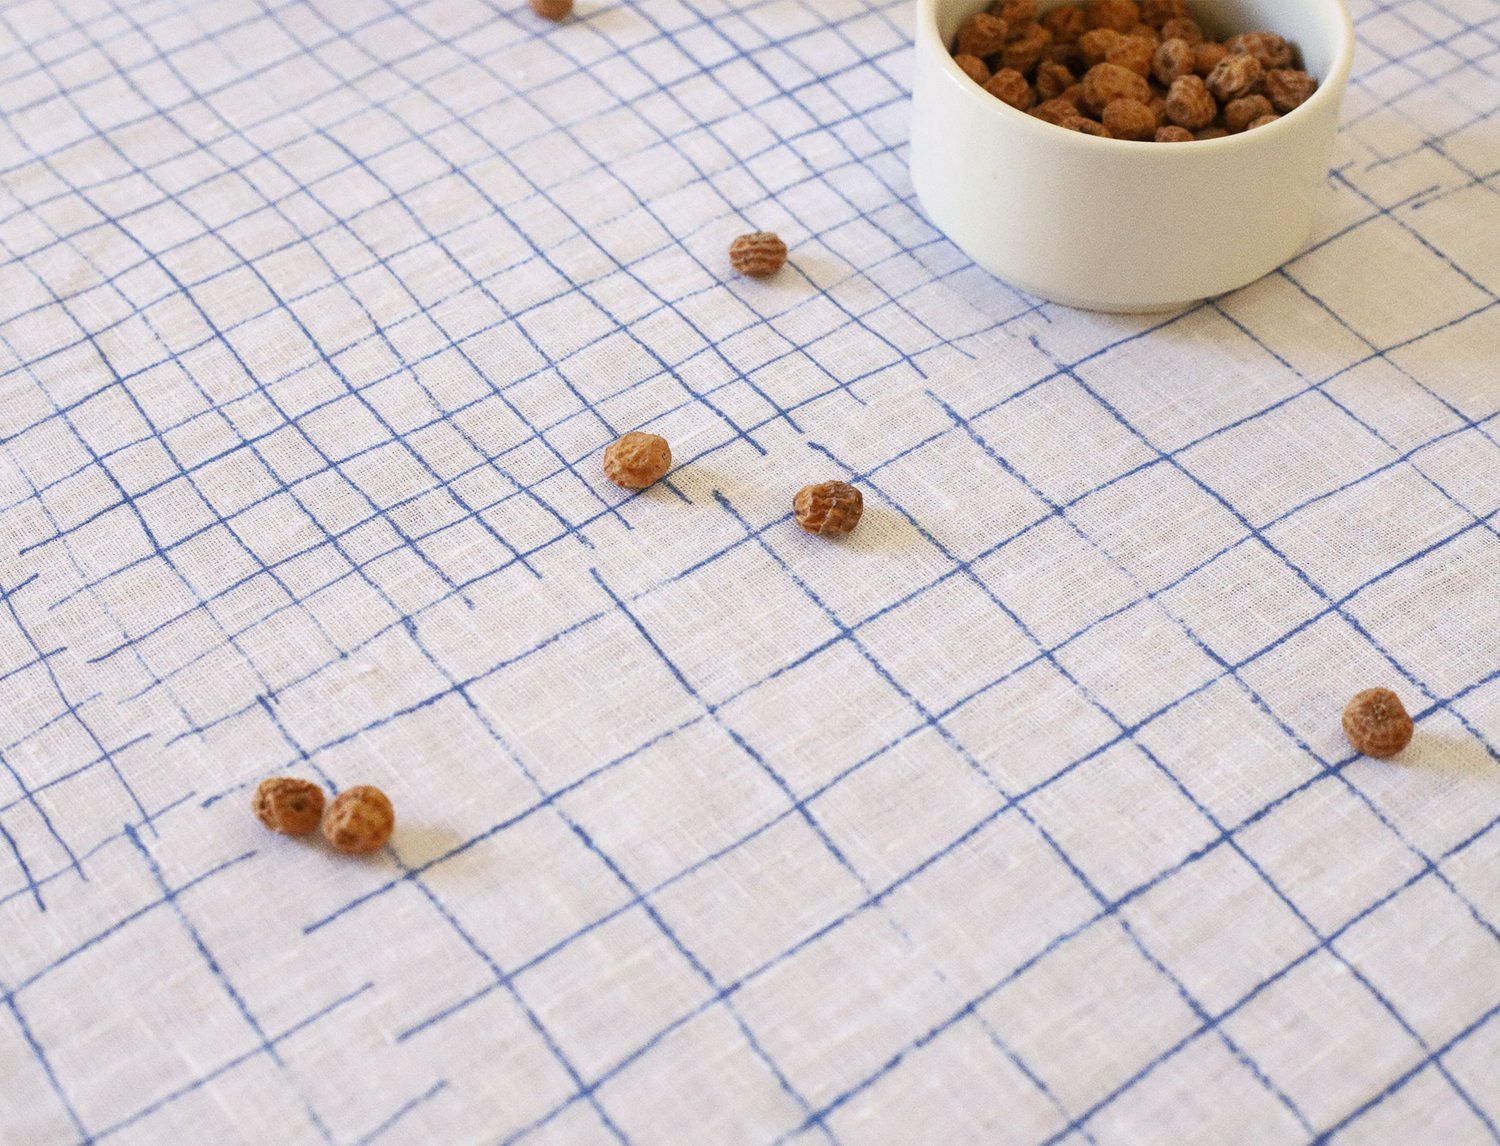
359	820
829	509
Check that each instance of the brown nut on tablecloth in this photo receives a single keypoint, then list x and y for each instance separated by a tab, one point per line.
830	509
1377	724
359	820
287	805
758	255
637	460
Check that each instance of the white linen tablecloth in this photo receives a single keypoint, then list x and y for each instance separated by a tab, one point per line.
1023	815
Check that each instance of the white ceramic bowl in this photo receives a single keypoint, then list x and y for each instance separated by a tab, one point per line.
1113	225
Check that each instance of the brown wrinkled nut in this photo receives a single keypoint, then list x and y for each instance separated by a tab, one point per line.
1133	54
1173	59
1211	133
1189	103
1173	134
973	67
1116	14
1262	121
1015	12
1158	12
1069	56
291	807
1052	80
1130	119
1090	127
758	255
1235	76
1182	28
1074	95
1010	86
1158	106
1269	49
359	820
1241	113
1066	23
552	9
1206	57
830	509
1057	111
637	460
1025	53
1377	724
982	35
1144	32
1095	45
1289	89
1106	83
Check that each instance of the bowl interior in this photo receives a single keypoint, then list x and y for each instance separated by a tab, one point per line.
1319	28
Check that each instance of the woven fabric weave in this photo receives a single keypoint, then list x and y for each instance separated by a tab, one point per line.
1021	815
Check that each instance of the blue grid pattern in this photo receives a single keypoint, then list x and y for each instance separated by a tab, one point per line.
1023	816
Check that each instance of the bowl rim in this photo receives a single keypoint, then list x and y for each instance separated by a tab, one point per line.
1330	90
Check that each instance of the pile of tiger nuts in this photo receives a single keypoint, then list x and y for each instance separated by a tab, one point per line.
1130	69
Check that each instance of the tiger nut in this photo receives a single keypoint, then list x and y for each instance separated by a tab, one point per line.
973	67
1182	28
1069	56
1189	104
1066	23
552	9
1173	134
1376	723
1010	86
1241	113
1206	57
1173	59
359	820
1158	12
1130	119
1267	47
1106	83
1234	77
1288	90
1015	12
1052	80
1095	45
1134	54
1024	52
829	509
1116	14
1057	111
758	255
982	35
637	460
289	806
